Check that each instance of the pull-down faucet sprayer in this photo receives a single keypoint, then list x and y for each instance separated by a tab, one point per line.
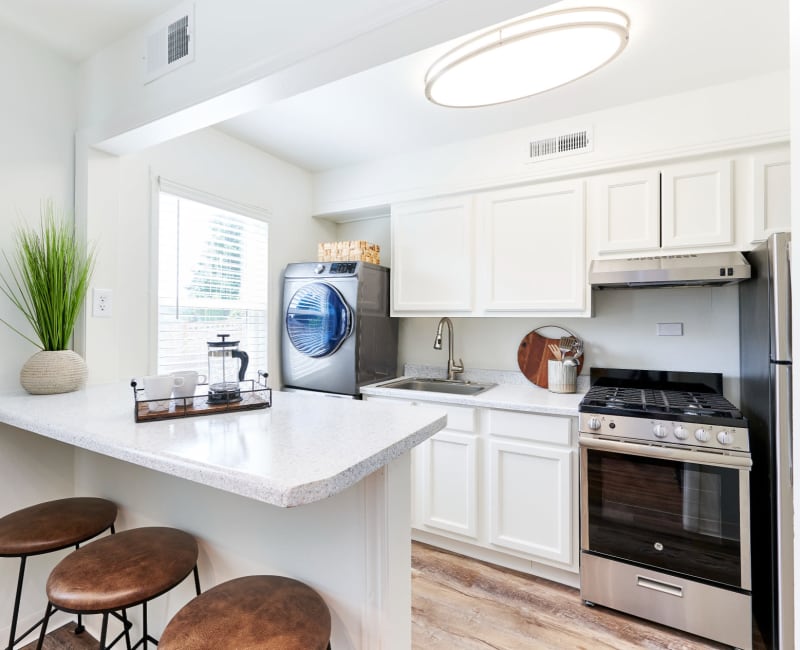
452	366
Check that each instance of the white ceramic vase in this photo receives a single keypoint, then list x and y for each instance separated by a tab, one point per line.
53	371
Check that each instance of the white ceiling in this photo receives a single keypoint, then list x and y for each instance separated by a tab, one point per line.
675	45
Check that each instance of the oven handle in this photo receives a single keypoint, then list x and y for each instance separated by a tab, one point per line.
668	453
658	585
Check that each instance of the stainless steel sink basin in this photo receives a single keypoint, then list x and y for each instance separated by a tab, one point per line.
451	386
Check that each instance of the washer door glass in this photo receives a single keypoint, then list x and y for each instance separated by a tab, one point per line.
318	320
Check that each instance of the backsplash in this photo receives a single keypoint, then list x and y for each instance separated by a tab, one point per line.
622	334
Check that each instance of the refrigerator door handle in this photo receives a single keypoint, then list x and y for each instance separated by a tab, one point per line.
782	375
780	245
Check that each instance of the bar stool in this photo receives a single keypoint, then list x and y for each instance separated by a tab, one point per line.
48	527
115	573
254	612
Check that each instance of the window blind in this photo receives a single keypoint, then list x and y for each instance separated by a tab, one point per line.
212	279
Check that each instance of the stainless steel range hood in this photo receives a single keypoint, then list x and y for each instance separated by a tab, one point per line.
670	271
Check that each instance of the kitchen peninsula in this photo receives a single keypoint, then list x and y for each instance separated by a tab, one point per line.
233	480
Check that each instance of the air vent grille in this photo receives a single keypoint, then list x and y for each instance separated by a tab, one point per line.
170	42
560	145
178	39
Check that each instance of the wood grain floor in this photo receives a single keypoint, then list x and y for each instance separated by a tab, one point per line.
463	604
469	605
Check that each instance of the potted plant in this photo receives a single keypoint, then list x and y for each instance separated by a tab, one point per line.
47	280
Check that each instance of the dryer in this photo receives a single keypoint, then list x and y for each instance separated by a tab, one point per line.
337	334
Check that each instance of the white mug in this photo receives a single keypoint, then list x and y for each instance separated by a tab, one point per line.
190	380
158	390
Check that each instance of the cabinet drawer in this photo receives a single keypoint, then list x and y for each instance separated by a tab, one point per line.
531	426
460	418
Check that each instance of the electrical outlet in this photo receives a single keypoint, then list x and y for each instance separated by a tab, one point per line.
101	303
669	329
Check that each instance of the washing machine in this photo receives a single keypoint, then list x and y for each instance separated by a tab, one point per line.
337	334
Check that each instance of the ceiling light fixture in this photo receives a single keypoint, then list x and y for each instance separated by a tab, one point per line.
526	57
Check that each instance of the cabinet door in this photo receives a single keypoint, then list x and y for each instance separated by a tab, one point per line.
696	205
531	499
449	482
771	192
432	257
629	211
533	253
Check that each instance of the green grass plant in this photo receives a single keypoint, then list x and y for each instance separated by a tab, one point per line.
48	278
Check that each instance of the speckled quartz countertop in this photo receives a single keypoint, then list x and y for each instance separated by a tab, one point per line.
512	392
302	449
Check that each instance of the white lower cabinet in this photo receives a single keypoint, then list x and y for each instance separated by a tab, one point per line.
501	486
447	466
530	499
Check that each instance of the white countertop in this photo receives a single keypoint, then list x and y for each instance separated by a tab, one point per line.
302	449
513	397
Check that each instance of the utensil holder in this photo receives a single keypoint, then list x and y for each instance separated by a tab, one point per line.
561	378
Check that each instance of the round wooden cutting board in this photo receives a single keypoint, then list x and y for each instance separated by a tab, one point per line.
533	355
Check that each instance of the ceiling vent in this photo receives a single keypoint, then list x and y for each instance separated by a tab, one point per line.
557	146
170	42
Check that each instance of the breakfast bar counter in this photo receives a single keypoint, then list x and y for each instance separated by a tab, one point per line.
313	488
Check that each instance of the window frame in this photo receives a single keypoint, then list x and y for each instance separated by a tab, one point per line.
161	184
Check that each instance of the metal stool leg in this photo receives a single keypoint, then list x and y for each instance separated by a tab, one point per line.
104	631
196	580
144	624
17	599
47	612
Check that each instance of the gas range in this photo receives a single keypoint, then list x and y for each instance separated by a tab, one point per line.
684	409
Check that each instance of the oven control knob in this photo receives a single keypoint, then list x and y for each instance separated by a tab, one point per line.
660	431
681	433
594	423
702	435
725	438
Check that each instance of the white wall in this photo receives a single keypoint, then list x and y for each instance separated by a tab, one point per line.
727	116
37	121
123	346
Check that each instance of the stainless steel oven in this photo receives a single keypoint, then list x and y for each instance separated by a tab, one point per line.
665	504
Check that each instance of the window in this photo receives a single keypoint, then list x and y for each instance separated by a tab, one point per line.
212	279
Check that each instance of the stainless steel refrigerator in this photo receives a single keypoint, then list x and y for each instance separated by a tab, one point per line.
766	395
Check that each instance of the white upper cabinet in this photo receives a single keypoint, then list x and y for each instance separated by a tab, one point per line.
629	212
771	193
696	204
681	206
432	257
532	252
509	252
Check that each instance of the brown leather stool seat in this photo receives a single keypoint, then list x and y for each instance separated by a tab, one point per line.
48	527
254	612
121	571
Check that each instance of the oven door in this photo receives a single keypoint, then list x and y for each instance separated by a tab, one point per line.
683	512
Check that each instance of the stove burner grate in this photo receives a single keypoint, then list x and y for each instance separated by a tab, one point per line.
644	401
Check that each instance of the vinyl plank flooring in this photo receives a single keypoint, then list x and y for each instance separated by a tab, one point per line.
64	638
462	604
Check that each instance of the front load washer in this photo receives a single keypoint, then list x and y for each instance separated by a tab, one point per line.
337	334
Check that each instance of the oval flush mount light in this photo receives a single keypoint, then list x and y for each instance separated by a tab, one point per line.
527	57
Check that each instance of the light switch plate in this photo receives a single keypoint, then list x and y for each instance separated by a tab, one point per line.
669	329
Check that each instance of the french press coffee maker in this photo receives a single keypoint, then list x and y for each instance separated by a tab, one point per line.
226	367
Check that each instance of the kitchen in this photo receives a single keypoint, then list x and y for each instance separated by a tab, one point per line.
620	334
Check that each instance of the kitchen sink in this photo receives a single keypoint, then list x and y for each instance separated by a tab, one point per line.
452	386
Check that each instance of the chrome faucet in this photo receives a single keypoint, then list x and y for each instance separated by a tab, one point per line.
452	367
